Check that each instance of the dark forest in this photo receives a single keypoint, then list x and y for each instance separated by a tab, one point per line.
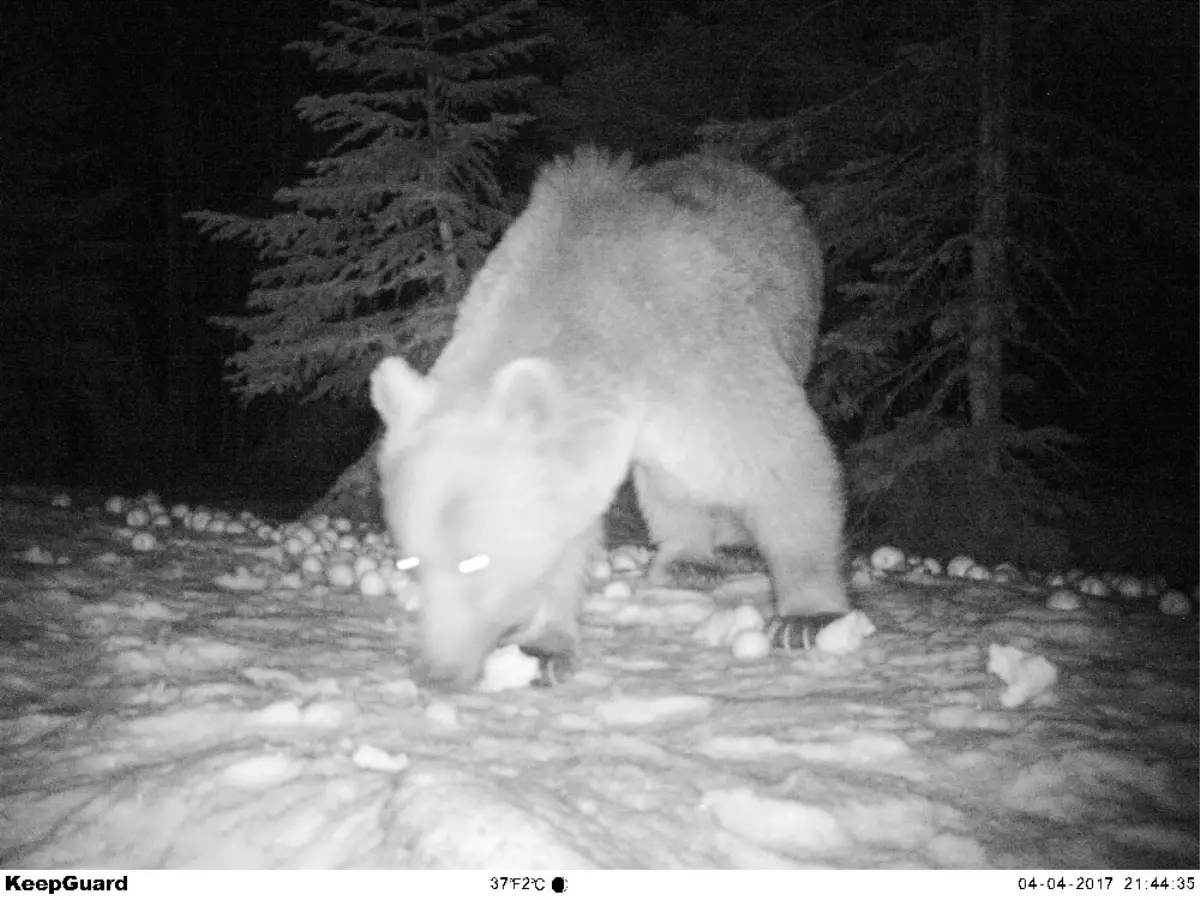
124	364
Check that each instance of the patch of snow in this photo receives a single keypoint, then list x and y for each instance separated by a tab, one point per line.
225	702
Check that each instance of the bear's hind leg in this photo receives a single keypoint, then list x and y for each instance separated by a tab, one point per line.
795	514
683	530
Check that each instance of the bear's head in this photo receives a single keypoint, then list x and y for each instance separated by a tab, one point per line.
480	489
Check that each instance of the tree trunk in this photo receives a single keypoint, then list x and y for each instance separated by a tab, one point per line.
181	395
993	301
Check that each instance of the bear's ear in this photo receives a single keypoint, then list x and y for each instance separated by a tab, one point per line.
527	392
400	394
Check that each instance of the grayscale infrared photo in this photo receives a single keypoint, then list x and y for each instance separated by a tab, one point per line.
543	435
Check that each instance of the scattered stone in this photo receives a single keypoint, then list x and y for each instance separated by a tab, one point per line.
507	668
1026	675
959	566
1064	600
618	590
1094	586
144	542
1174	603
748	645
888	559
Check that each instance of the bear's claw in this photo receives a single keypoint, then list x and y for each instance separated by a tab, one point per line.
553	668
799	632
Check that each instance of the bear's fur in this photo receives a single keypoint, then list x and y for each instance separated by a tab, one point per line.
659	318
759	226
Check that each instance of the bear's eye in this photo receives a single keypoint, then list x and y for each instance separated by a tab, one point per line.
473	564
410	566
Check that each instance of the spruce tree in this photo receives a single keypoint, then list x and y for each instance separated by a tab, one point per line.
939	282
368	254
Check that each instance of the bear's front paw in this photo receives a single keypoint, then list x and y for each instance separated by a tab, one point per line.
799	632
554	667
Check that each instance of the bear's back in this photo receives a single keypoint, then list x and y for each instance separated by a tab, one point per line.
690	270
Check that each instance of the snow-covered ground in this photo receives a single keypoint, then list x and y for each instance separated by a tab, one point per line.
203	703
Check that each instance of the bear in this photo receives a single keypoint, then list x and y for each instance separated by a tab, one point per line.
657	319
756	220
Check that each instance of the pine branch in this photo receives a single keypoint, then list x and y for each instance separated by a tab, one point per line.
367	252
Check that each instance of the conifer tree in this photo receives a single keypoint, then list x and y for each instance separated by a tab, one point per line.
368	254
942	287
